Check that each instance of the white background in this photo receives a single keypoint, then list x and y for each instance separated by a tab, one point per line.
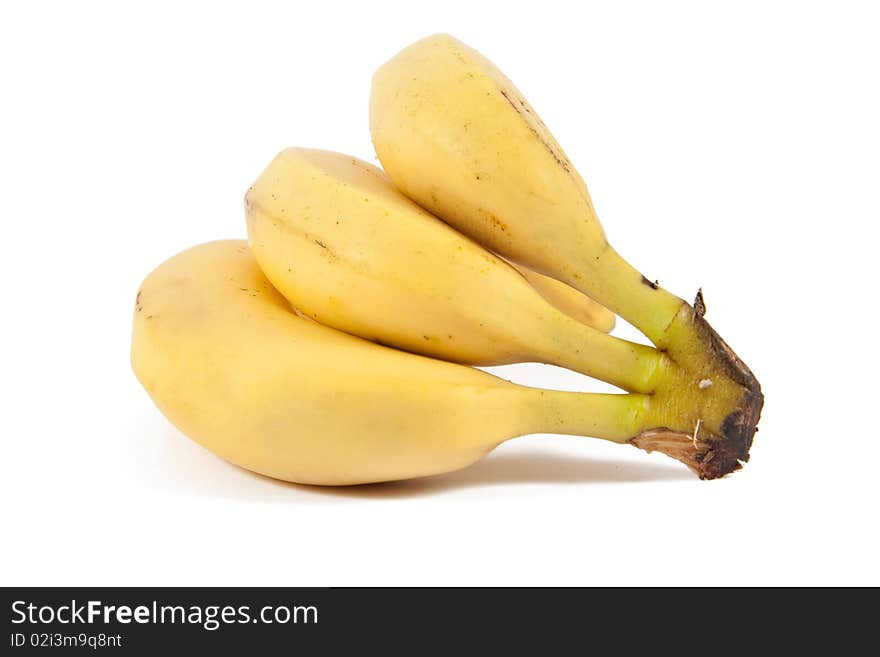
732	146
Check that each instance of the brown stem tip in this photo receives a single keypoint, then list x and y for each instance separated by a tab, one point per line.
710	455
708	459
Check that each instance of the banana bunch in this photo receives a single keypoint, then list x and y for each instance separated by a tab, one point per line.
334	347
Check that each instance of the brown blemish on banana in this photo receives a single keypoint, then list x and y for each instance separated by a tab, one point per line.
653	285
327	249
494	220
507	98
500	225
556	156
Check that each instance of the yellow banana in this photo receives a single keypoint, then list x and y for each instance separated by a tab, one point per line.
226	360
345	247
454	134
565	298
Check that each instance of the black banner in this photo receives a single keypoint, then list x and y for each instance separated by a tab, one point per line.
324	621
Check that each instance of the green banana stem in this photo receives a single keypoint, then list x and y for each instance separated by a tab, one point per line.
628	365
702	383
620	287
614	417
643	421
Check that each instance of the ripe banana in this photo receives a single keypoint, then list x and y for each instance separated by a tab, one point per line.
454	134
226	360
565	298
344	246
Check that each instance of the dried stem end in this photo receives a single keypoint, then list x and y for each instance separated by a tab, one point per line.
708	459
701	350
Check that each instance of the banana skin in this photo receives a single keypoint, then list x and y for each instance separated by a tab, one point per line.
345	247
565	298
225	358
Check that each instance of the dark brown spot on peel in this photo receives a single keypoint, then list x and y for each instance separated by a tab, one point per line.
327	250
653	285
507	98
500	225
493	219
559	160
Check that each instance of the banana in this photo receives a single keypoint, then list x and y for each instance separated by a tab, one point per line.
344	246
225	359
454	134
565	298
